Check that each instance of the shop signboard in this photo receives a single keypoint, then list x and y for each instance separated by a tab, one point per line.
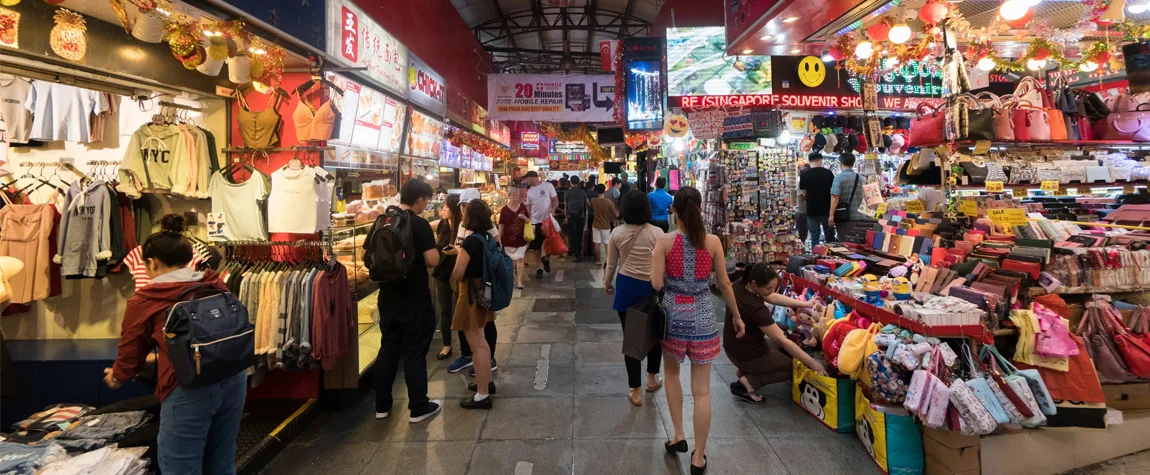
465	158
810	75
425	87
707	124
793	101
426	136
370	120
528	141
551	97
499	133
478	117
697	64
359	41
342	156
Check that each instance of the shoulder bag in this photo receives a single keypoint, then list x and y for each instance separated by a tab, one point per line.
1003	120
979	122
843	211
1100	346
927	128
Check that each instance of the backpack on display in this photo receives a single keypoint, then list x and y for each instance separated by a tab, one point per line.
498	276
209	337
389	248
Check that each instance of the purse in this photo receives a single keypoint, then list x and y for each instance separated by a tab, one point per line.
887	383
529	232
1134	125
1003	120
1057	120
1015	389
1072	170
927	128
995	172
1134	351
978	123
1100	346
1021	172
975	417
982	390
1031	124
976	173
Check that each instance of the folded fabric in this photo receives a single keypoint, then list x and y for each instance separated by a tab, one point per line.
20	458
91	432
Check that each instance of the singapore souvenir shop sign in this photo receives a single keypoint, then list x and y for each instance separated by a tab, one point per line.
425	87
551	97
359	41
790	101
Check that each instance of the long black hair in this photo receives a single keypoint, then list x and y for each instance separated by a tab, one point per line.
688	206
169	245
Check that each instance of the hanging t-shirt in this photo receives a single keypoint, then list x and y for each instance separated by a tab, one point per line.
235	209
13	92
63	112
293	201
323	209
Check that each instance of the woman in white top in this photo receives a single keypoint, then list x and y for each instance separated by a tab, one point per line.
629	250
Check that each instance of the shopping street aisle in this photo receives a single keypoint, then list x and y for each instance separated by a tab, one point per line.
562	408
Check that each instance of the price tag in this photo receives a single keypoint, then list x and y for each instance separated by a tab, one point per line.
1007	218
982	147
915	206
1062	192
872	156
1128	188
968	207
1050	185
880	211
994	186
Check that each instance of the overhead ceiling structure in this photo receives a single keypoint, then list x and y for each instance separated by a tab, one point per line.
534	36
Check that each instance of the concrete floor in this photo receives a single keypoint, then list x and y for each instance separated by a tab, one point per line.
575	419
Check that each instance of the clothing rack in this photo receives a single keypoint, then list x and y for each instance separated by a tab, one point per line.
276	251
300	148
177	105
58	164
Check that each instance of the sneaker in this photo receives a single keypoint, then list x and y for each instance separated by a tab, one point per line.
460	364
546	266
539	273
493	368
429	411
471	403
382	415
490	387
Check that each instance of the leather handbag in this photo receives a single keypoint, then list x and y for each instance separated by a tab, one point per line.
976	173
927	128
646	326
1085	131
979	119
1031	124
1057	120
1135	351
1003	120
1133	125
1108	361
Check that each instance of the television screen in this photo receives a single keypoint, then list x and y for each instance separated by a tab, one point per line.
612	168
645	95
610	136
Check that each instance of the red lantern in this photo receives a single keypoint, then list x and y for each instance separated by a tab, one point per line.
933	13
1041	54
837	53
879	32
1022	22
1103	57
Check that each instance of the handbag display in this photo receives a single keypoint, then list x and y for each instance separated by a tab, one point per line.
1003	120
927	128
976	173
1021	171
1072	170
976	120
995	172
1134	351
1097	174
1031	124
1014	390
1100	346
976	419
981	389
1133	125
1057	120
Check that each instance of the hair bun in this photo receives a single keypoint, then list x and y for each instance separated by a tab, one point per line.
173	223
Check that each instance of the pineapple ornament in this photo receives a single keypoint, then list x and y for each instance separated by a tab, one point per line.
68	38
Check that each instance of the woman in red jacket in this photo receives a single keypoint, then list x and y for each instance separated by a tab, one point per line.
198	426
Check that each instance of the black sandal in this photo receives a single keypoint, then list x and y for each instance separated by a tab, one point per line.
680	446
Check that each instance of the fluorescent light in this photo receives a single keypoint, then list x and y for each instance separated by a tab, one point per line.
791	19
827	57
796	51
765	37
748	51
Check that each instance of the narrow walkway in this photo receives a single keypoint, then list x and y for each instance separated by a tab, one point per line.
562	409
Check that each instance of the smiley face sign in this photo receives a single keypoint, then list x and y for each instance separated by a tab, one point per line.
676	126
812	71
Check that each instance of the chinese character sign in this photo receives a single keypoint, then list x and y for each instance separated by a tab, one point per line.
361	42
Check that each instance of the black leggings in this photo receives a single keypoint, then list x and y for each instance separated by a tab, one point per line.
654	360
489	333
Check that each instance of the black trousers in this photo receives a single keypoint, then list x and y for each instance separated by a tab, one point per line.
407	335
662	224
634	366
575	225
490	333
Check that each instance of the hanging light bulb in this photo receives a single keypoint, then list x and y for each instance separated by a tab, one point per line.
1138	8
1012	9
1036	64
900	32
864	50
1088	67
986	64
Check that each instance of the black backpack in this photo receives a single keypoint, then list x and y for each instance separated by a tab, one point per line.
389	248
209	337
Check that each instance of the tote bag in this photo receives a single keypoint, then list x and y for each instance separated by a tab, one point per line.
646	325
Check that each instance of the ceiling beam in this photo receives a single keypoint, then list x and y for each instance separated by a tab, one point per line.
548	52
539	21
623	33
591	21
503	21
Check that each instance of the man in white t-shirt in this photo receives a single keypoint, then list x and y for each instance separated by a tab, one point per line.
542	200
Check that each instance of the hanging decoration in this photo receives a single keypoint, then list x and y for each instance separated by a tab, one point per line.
9	28
555	131
620	89
67	38
459	137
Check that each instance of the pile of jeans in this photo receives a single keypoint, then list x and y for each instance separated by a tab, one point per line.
94	431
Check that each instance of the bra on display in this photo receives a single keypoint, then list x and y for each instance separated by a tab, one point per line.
259	129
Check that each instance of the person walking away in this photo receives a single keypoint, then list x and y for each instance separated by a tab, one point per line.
576	212
801	209
561	211
605	214
629	250
681	267
470	318
756	355
446	228
848	184
613	192
490	331
406	312
815	190
512	218
542	201
198	425
660	205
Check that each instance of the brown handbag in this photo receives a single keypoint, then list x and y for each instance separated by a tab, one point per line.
1100	346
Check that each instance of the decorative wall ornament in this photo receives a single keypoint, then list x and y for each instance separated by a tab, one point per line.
67	38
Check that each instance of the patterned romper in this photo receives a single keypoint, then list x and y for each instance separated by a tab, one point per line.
691	327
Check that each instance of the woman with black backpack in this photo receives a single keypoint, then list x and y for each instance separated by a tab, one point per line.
198	425
470	318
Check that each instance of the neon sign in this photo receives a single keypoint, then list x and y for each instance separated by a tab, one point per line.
792	101
912	78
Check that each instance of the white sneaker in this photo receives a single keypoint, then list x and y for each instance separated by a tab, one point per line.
382	415
438	406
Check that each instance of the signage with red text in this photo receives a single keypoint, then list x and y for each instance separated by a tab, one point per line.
551	97
792	101
360	42
425	87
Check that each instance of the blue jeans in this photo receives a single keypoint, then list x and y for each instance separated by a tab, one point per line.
818	226
199	427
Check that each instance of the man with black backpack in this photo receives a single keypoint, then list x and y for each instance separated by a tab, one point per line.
399	248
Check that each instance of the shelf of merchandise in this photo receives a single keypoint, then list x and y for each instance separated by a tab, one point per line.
1036	186
1061	143
978	332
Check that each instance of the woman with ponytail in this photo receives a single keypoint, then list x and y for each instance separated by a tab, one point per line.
681	268
198	425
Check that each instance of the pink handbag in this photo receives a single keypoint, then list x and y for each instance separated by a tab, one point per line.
1053	340
1129	125
1031	124
1003	122
927	128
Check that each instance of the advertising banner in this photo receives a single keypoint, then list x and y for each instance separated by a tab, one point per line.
425	87
370	119
646	86
812	76
499	133
426	136
359	41
551	97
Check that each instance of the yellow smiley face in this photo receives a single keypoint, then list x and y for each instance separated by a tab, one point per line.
812	71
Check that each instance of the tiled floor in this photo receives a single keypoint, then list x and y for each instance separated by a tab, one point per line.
567	413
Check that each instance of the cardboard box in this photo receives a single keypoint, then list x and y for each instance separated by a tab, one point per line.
952	439
1127	397
951	452
936	469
